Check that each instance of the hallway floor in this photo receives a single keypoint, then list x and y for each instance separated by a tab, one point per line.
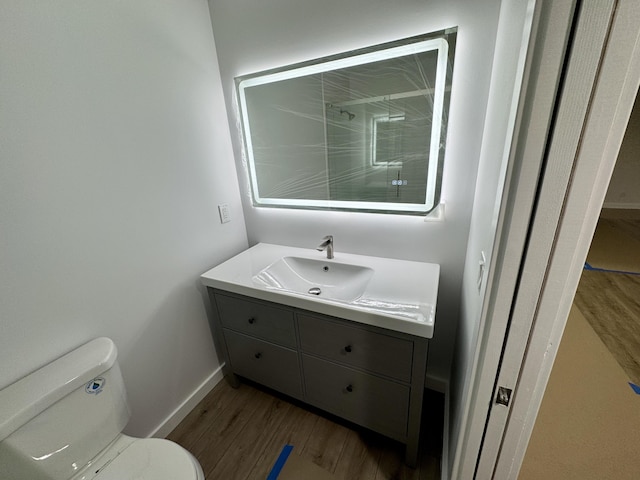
588	426
610	300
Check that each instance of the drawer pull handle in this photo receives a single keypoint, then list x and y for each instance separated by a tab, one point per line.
252	320
258	355
348	349
349	388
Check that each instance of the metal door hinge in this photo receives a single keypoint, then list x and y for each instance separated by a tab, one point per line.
504	396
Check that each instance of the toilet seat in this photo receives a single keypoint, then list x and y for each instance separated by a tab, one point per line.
152	459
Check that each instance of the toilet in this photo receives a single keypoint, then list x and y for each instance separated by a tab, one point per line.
65	421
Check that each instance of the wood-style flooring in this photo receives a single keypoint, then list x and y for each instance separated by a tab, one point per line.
611	304
237	434
610	301
625	219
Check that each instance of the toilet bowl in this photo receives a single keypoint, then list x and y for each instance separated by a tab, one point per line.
65	421
146	459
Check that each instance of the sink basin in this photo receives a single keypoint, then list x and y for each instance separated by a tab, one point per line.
398	295
326	279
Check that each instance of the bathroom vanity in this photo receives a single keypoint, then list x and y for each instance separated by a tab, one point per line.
359	352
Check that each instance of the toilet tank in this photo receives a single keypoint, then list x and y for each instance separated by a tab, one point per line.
54	421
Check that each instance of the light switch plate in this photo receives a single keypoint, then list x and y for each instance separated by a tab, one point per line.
482	267
225	216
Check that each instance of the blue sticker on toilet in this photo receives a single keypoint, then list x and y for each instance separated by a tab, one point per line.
95	386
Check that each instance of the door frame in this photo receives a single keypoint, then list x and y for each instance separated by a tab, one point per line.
590	119
545	57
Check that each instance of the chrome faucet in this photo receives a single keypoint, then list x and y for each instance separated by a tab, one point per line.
327	243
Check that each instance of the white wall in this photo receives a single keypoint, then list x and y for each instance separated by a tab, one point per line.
114	153
624	189
255	36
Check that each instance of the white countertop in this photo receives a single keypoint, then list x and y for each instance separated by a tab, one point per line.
400	296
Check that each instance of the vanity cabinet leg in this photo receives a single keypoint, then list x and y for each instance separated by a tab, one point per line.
411	454
232	379
219	343
420	349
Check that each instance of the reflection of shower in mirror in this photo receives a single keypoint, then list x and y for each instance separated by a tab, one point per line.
350	115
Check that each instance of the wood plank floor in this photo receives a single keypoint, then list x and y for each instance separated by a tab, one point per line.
237	434
610	301
611	304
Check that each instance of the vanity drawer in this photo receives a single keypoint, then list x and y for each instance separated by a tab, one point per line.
373	402
266	363
257	319
356	347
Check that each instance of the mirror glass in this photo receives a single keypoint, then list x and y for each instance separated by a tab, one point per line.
362	131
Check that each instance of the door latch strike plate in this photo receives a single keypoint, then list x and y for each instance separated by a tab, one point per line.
504	396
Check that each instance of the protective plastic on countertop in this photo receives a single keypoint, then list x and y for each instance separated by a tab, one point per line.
401	295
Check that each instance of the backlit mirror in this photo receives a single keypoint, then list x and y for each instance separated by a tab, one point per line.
361	131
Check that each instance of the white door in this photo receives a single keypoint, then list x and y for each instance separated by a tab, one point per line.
599	85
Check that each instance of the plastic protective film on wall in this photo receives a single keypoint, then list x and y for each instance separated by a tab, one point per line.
364	131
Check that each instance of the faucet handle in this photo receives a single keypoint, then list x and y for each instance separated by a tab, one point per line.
327	244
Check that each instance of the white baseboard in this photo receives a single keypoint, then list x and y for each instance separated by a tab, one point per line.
622	206
172	421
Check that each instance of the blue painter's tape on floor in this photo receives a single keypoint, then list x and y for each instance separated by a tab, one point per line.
595	269
635	388
282	458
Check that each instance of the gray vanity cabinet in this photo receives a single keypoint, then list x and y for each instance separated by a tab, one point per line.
271	365
370	376
260	320
259	343
362	398
356	373
356	347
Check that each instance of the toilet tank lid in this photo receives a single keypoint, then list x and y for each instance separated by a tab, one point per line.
31	395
